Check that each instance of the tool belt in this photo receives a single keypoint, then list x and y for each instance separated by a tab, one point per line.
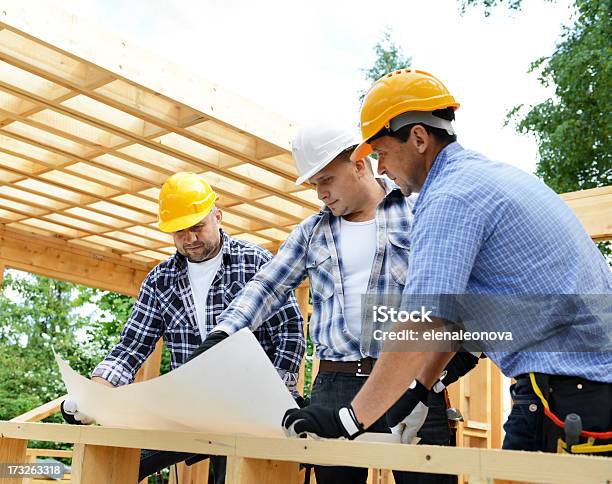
577	414
361	367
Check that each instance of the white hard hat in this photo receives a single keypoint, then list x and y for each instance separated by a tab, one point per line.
316	145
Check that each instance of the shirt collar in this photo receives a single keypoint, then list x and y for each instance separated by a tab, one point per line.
442	159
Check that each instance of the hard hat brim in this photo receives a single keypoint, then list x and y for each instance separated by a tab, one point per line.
363	149
183	222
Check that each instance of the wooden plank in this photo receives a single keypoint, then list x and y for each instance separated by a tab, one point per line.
502	464
49	453
242	470
97	464
61	261
594	210
151	366
12	451
42	412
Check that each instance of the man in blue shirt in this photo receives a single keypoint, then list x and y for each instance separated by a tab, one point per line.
485	229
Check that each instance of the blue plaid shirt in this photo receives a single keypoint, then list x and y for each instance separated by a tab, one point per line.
311	251
484	227
165	308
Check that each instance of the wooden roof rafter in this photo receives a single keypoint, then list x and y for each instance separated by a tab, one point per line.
90	127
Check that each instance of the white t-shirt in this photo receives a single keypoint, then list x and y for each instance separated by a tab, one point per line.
357	252
201	275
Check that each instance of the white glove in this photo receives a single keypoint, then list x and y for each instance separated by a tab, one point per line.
70	409
407	429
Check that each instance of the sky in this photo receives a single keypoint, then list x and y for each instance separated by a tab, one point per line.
305	59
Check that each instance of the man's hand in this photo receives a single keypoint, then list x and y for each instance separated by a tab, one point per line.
71	414
318	421
408	414
213	338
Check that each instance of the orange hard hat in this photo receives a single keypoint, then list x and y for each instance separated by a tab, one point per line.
396	93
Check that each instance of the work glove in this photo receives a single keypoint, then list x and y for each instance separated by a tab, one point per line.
322	422
71	414
407	415
211	340
301	401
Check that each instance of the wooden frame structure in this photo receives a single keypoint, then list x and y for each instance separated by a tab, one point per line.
252	460
87	136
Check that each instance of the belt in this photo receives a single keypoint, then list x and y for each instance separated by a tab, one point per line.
362	367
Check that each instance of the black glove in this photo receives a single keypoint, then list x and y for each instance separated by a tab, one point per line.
319	421
72	415
211	340
302	401
407	403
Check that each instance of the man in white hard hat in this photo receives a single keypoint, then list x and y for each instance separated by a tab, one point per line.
357	244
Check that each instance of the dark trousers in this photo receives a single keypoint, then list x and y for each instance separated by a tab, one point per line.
528	428
152	461
338	389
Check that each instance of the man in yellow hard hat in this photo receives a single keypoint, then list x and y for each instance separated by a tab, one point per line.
492	248
181	298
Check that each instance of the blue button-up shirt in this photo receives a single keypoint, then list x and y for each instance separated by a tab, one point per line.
311	250
484	227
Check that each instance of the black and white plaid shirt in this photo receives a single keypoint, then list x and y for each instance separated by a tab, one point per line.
165	308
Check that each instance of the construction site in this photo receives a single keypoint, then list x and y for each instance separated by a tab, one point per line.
91	127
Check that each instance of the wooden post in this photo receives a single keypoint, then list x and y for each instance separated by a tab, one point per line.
242	470
194	474
12	451
93	464
151	366
302	294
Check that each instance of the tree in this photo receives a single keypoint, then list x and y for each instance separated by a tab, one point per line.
389	57
573	128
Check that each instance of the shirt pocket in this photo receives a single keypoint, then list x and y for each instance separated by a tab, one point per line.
399	252
319	265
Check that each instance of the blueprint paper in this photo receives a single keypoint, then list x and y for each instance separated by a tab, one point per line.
232	388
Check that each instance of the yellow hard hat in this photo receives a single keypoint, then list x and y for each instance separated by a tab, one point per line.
399	92
184	200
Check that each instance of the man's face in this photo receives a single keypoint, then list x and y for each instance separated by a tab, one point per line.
201	241
335	185
402	162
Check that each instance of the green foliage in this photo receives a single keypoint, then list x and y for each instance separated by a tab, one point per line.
573	130
489	5
40	313
389	57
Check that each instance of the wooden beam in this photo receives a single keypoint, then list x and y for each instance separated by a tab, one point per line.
242	470
79	40
42	412
480	463
594	209
60	260
101	464
12	451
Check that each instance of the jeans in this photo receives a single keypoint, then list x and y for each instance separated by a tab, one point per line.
524	425
528	428
338	389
